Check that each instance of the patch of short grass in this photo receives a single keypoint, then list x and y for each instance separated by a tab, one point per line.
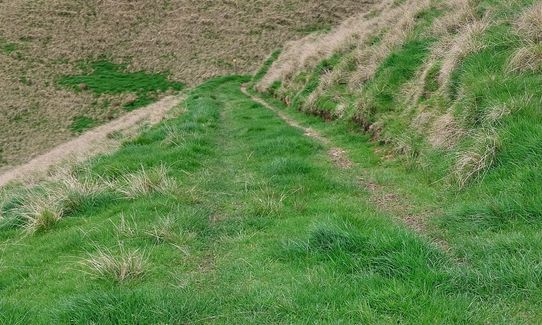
103	77
82	123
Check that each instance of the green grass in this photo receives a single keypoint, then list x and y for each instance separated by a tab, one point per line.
492	224
265	67
82	123
263	229
103	77
7	47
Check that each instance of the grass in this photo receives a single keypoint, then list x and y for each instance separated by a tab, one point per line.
483	185
226	214
192	42
7	47
262	228
107	78
82	123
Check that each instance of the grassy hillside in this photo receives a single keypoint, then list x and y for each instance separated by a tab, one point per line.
385	171
452	91
44	42
238	217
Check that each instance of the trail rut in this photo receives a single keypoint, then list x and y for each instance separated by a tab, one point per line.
381	197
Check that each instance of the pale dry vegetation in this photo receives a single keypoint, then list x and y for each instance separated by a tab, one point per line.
335	75
193	40
39	208
529	27
118	266
146	181
355	31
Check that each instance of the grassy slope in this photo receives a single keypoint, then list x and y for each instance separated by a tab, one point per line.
493	223
192	40
265	230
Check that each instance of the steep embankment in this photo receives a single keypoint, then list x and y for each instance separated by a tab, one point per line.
188	41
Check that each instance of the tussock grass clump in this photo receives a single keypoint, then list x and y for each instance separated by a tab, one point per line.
527	58
459	13
174	137
445	132
529	24
147	181
163	231
126	227
529	27
40	212
119	267
474	161
39	208
74	193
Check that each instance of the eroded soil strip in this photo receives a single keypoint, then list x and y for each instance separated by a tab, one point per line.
94	142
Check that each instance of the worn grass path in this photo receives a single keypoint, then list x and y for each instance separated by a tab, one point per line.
262	229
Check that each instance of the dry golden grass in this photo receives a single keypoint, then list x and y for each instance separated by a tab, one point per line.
145	182
464	43
42	207
310	50
357	33
529	24
120	267
194	40
474	161
529	56
370	57
40	212
458	14
445	132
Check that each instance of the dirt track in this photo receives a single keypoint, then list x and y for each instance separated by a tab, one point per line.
94	142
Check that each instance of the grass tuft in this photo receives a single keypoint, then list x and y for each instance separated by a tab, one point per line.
147	181
163	231
120	267
478	158
529	24
40	212
527	59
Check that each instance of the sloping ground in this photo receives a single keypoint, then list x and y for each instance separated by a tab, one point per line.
227	214
100	140
453	91
188	41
